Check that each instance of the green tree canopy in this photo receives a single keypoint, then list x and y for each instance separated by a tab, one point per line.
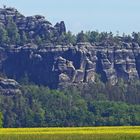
13	32
81	37
1	120
3	35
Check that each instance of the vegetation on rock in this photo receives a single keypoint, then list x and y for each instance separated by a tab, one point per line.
39	55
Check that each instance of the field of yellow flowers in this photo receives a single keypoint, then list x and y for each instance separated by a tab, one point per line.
75	133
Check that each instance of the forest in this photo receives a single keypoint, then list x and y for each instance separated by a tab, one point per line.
94	104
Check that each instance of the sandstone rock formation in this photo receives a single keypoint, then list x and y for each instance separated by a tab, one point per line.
52	64
32	26
9	87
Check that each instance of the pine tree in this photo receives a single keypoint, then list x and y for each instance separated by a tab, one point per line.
13	33
70	38
23	38
3	35
81	37
38	40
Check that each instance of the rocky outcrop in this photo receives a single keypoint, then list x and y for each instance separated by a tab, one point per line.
9	87
52	66
34	27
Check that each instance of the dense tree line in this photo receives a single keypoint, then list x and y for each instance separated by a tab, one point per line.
102	38
123	91
11	35
96	104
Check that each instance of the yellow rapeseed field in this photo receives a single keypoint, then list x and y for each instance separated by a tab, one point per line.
75	133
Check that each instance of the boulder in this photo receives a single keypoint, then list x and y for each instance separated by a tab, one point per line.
9	87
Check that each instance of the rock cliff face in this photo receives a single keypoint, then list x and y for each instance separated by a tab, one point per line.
53	65
33	27
9	87
73	64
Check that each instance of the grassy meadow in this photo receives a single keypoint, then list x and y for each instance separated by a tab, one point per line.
76	133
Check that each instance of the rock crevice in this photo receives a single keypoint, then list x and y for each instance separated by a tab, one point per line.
74	64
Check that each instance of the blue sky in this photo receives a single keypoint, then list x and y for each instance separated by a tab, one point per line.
101	15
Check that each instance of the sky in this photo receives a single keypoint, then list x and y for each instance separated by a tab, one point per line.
101	15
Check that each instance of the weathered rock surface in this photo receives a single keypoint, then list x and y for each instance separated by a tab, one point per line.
32	26
50	64
74	64
9	87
